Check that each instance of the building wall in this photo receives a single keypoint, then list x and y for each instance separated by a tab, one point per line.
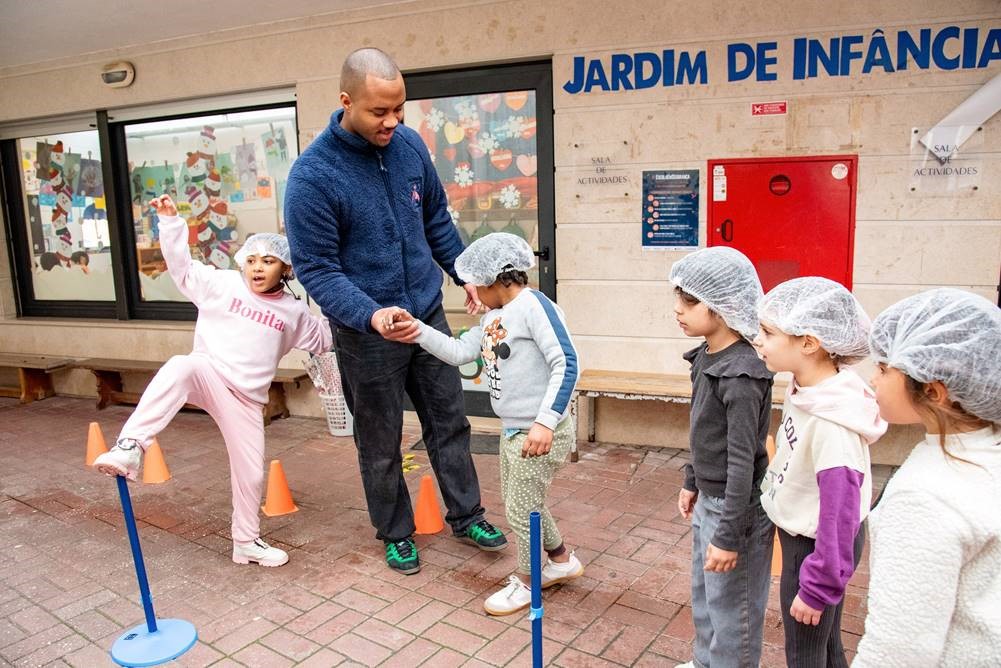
615	295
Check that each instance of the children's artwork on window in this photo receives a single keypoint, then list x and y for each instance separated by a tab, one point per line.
64	266
91	182
211	170
246	168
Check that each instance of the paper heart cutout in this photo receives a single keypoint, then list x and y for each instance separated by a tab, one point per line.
426	105
489	103
528	128
501	159
527	164
516	100
475	151
453	133
449	153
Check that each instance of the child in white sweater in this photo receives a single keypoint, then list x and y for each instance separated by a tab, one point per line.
247	322
935	567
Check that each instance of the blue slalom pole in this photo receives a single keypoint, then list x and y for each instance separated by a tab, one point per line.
535	614
137	553
148	644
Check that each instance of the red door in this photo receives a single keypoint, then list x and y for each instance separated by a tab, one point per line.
791	216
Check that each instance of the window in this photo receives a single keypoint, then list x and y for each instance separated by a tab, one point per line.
489	131
76	190
227	174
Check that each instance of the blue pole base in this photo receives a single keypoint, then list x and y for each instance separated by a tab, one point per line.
139	647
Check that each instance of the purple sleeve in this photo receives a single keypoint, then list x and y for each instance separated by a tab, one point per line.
824	574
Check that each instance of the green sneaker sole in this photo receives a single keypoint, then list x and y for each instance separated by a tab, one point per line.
485	548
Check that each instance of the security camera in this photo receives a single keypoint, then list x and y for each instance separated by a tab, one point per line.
118	75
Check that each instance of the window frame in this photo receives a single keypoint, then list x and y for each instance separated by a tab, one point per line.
110	127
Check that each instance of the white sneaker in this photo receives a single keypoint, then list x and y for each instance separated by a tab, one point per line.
687	664
512	598
124	458
555	573
259	552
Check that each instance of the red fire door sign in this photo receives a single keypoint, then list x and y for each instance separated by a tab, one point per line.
768	108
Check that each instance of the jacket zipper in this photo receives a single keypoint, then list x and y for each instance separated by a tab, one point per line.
403	236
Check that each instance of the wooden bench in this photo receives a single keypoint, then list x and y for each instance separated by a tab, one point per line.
34	381
111	391
594	383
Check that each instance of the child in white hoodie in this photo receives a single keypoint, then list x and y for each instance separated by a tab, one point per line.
935	562
818	487
246	323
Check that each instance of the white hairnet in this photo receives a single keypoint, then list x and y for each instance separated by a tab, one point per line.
821	308
488	256
948	335
263	244
723	279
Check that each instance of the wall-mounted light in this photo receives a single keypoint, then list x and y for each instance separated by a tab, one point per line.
118	75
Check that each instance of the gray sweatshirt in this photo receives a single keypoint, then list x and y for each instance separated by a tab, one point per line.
528	357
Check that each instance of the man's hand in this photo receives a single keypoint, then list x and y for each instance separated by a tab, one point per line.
686	502
538	442
473	305
719	561
163	205
803	613
395	324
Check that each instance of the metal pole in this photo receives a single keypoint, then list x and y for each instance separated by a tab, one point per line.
535	536
137	554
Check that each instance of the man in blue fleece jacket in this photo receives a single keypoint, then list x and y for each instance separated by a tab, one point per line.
366	219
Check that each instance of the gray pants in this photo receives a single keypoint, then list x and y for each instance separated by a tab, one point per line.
728	609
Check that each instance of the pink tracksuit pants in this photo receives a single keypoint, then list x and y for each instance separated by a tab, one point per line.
192	379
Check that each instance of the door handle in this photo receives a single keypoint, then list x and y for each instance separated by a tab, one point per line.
726	230
542	254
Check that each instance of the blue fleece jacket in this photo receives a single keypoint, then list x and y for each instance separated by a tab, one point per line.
368	226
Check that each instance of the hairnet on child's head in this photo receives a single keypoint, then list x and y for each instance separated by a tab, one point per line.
723	279
948	335
491	255
821	308
263	244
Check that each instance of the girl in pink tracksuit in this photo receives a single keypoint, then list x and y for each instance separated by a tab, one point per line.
247	322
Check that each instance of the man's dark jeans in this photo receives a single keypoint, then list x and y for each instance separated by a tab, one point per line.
374	374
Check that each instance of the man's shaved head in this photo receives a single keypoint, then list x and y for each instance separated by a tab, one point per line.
362	62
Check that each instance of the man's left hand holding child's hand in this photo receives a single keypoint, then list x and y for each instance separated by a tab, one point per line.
538	442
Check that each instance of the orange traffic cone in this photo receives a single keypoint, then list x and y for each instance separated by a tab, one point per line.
279	498
95	443
154	467
776	548
427	516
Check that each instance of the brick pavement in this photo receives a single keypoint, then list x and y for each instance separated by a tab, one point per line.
68	589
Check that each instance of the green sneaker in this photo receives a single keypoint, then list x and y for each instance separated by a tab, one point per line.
485	536
402	556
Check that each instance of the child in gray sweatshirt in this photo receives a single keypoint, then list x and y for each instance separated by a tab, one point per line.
531	370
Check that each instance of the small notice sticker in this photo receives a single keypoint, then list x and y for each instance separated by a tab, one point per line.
768	108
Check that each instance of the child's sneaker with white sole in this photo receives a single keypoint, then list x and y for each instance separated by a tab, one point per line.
554	572
124	458
513	597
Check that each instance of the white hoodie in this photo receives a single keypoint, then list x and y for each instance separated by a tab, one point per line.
824	426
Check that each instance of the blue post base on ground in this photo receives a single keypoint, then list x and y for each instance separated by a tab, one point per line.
140	647
158	640
535	537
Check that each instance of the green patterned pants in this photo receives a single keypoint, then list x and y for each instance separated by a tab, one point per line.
524	485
